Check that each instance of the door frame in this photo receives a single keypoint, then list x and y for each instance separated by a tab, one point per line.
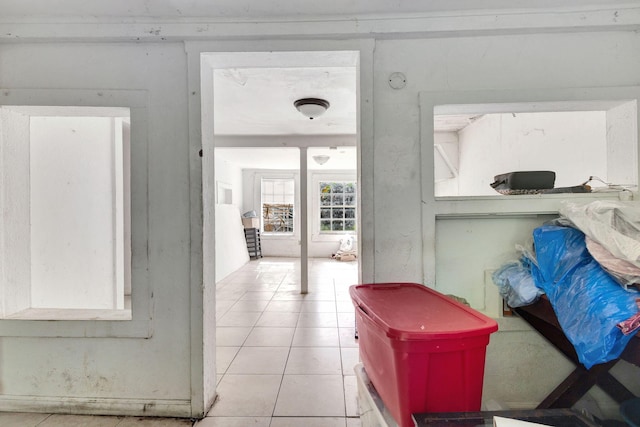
202	182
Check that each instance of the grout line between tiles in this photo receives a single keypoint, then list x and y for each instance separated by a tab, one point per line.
286	275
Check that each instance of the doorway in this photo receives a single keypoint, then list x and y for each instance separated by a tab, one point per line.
261	139
203	64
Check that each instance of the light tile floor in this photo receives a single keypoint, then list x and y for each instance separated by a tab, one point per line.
283	359
13	419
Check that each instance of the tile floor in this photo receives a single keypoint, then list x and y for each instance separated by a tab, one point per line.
283	359
286	359
11	419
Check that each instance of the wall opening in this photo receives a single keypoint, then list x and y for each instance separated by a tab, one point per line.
257	132
577	140
66	234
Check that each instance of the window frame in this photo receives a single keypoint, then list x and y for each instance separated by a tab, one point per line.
261	174
328	176
510	101
333	206
141	323
294	212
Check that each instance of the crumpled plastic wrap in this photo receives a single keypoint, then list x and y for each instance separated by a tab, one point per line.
588	302
613	224
516	285
623	271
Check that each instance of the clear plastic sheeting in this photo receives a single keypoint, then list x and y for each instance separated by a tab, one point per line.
613	224
623	271
588	302
516	285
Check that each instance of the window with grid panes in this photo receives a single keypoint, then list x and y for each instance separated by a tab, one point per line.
278	196
337	206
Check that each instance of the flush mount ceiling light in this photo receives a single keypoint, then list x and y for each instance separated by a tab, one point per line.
311	107
321	159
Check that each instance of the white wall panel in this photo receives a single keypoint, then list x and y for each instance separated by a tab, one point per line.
112	373
15	272
73	220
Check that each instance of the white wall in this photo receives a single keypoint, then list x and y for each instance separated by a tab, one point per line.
446	162
231	248
230	175
573	144
126	193
15	261
73	224
141	366
622	144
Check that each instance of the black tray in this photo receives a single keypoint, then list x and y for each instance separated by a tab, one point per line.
524	180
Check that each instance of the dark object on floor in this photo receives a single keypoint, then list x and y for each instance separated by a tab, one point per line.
549	417
612	423
630	411
252	236
542	317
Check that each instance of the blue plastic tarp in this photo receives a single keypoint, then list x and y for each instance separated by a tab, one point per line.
588	302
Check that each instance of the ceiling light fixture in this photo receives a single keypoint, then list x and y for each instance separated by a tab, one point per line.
311	107
321	159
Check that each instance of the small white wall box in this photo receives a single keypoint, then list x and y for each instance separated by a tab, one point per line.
251	222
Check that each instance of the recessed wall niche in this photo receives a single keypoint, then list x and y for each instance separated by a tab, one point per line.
66	229
576	139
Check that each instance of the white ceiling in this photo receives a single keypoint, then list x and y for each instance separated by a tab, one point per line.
340	158
453	122
259	101
253	96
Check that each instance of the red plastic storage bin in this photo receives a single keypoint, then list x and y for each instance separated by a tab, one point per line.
423	351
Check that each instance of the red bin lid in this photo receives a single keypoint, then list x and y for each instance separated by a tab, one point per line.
410	311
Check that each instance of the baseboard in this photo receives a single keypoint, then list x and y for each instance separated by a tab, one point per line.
97	406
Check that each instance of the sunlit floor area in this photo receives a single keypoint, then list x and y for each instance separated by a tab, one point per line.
283	358
286	358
